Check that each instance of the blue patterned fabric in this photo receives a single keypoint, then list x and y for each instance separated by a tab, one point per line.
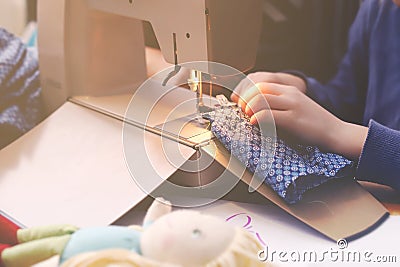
289	170
20	107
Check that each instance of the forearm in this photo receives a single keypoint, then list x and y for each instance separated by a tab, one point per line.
347	139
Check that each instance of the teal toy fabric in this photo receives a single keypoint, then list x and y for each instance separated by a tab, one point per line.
100	238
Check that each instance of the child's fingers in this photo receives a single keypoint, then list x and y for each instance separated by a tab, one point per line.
251	80
262	88
266	101
262	117
273	88
265	121
279	117
234	97
245	97
243	86
256	104
267	77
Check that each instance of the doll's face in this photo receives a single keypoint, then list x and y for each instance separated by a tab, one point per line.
186	237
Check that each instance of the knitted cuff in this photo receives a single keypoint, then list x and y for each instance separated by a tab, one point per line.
380	159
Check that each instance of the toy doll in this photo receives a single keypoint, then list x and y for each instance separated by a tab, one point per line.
179	238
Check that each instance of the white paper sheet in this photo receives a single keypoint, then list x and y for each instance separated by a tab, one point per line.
283	233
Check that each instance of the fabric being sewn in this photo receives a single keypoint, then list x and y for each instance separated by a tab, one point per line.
289	170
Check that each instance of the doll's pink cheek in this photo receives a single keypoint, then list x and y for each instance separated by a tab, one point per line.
166	242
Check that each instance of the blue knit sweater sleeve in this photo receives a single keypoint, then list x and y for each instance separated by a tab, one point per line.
344	95
365	68
380	159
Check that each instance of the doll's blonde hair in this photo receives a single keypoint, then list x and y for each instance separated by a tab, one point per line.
242	252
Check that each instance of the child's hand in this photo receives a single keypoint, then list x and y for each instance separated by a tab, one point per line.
292	110
269	77
297	113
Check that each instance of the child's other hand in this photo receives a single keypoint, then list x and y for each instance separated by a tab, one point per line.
269	77
295	112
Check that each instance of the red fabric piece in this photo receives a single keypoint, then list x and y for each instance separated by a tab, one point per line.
8	231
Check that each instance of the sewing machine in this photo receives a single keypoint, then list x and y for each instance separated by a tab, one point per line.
96	47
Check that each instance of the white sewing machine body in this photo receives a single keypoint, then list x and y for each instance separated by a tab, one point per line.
96	47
